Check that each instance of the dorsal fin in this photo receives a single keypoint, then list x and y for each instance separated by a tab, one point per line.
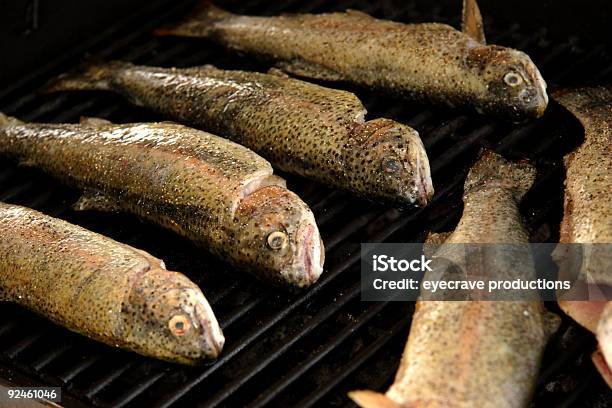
471	21
94	122
357	13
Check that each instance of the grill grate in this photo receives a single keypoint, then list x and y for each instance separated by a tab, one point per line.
284	348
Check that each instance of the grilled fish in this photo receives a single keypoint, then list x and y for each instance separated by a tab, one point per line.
216	193
587	214
103	289
475	353
431	62
301	128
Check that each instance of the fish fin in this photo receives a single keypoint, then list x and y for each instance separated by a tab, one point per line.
357	13
436	238
90	76
471	21
6	120
602	366
94	122
493	169
28	163
309	70
604	333
277	72
93	200
433	242
199	23
155	262
371	399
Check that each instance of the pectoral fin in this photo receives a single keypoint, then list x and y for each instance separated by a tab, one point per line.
277	72
358	13
438	238
93	200
371	399
94	122
602	366
309	70
471	21
26	163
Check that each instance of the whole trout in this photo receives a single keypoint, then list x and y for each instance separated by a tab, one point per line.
301	128
587	214
433	63
216	193
103	289
475	353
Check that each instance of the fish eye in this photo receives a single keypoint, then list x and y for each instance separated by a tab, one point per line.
277	240
391	166
179	325
513	79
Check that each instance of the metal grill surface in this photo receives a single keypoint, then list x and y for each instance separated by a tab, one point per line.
303	348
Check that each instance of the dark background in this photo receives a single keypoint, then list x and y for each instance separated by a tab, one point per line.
34	33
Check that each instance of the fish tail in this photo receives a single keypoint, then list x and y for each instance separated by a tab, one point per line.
371	399
91	76
6	120
492	169
199	23
602	366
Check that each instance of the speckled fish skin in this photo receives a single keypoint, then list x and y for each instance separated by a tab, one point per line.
103	289
302	128
192	182
431	62
475	353
587	214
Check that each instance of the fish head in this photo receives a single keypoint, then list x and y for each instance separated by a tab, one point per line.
277	239
388	161
166	316
513	86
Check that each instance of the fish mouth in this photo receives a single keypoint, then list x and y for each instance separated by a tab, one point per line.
308	264
422	177
536	108
212	340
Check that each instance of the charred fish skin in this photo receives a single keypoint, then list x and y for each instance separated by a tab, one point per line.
587	216
475	353
432	62
188	181
103	289
302	128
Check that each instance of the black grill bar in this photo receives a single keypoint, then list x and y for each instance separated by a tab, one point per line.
106	379
72	372
312	324
299	370
357	362
135	391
